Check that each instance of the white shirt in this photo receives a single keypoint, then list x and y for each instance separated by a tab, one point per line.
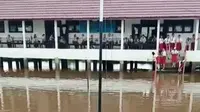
172	39
174	52
161	40
179	40
143	39
166	40
164	53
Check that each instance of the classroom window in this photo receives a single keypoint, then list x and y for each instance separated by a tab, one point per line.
109	26
2	29
179	26
16	26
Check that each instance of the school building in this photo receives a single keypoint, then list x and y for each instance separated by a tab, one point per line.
70	19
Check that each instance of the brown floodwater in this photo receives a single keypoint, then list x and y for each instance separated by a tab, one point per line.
62	91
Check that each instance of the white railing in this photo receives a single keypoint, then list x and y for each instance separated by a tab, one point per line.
81	54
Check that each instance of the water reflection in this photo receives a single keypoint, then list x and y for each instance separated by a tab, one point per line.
168	93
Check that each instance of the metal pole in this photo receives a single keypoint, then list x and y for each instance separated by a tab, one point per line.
100	55
158	36
196	34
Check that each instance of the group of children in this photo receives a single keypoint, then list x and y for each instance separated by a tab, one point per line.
169	48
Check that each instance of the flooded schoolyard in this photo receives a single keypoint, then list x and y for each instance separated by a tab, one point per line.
72	91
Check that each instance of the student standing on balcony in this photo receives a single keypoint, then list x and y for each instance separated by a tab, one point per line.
104	41
167	43
142	41
172	42
179	43
187	44
126	43
35	41
161	43
92	42
9	41
76	42
192	42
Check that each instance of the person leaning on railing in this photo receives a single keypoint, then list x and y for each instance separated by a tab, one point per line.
9	41
125	43
92	42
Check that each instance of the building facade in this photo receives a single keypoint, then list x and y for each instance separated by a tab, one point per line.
70	22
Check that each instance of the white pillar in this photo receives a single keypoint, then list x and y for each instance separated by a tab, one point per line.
23	34
158	35
196	33
190	103
56	34
122	34
88	34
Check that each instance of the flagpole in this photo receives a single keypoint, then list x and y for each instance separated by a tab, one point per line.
100	55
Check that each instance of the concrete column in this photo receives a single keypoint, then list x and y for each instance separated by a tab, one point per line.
136	66
57	63
25	63
122	34
88	34
56	34
1	64
17	64
10	64
40	64
21	63
109	66
24	44
158	36
105	65
125	66
35	64
121	65
24	34
64	64
87	65
95	65
196	34
131	66
50	64
77	65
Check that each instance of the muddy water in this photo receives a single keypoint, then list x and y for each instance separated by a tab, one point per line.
122	92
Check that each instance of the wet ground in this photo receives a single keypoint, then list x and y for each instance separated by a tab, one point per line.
70	91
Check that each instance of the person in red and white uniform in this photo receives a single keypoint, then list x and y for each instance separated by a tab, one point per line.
192	42
187	44
163	62
174	58
159	60
167	43
179	43
172	42
161	43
